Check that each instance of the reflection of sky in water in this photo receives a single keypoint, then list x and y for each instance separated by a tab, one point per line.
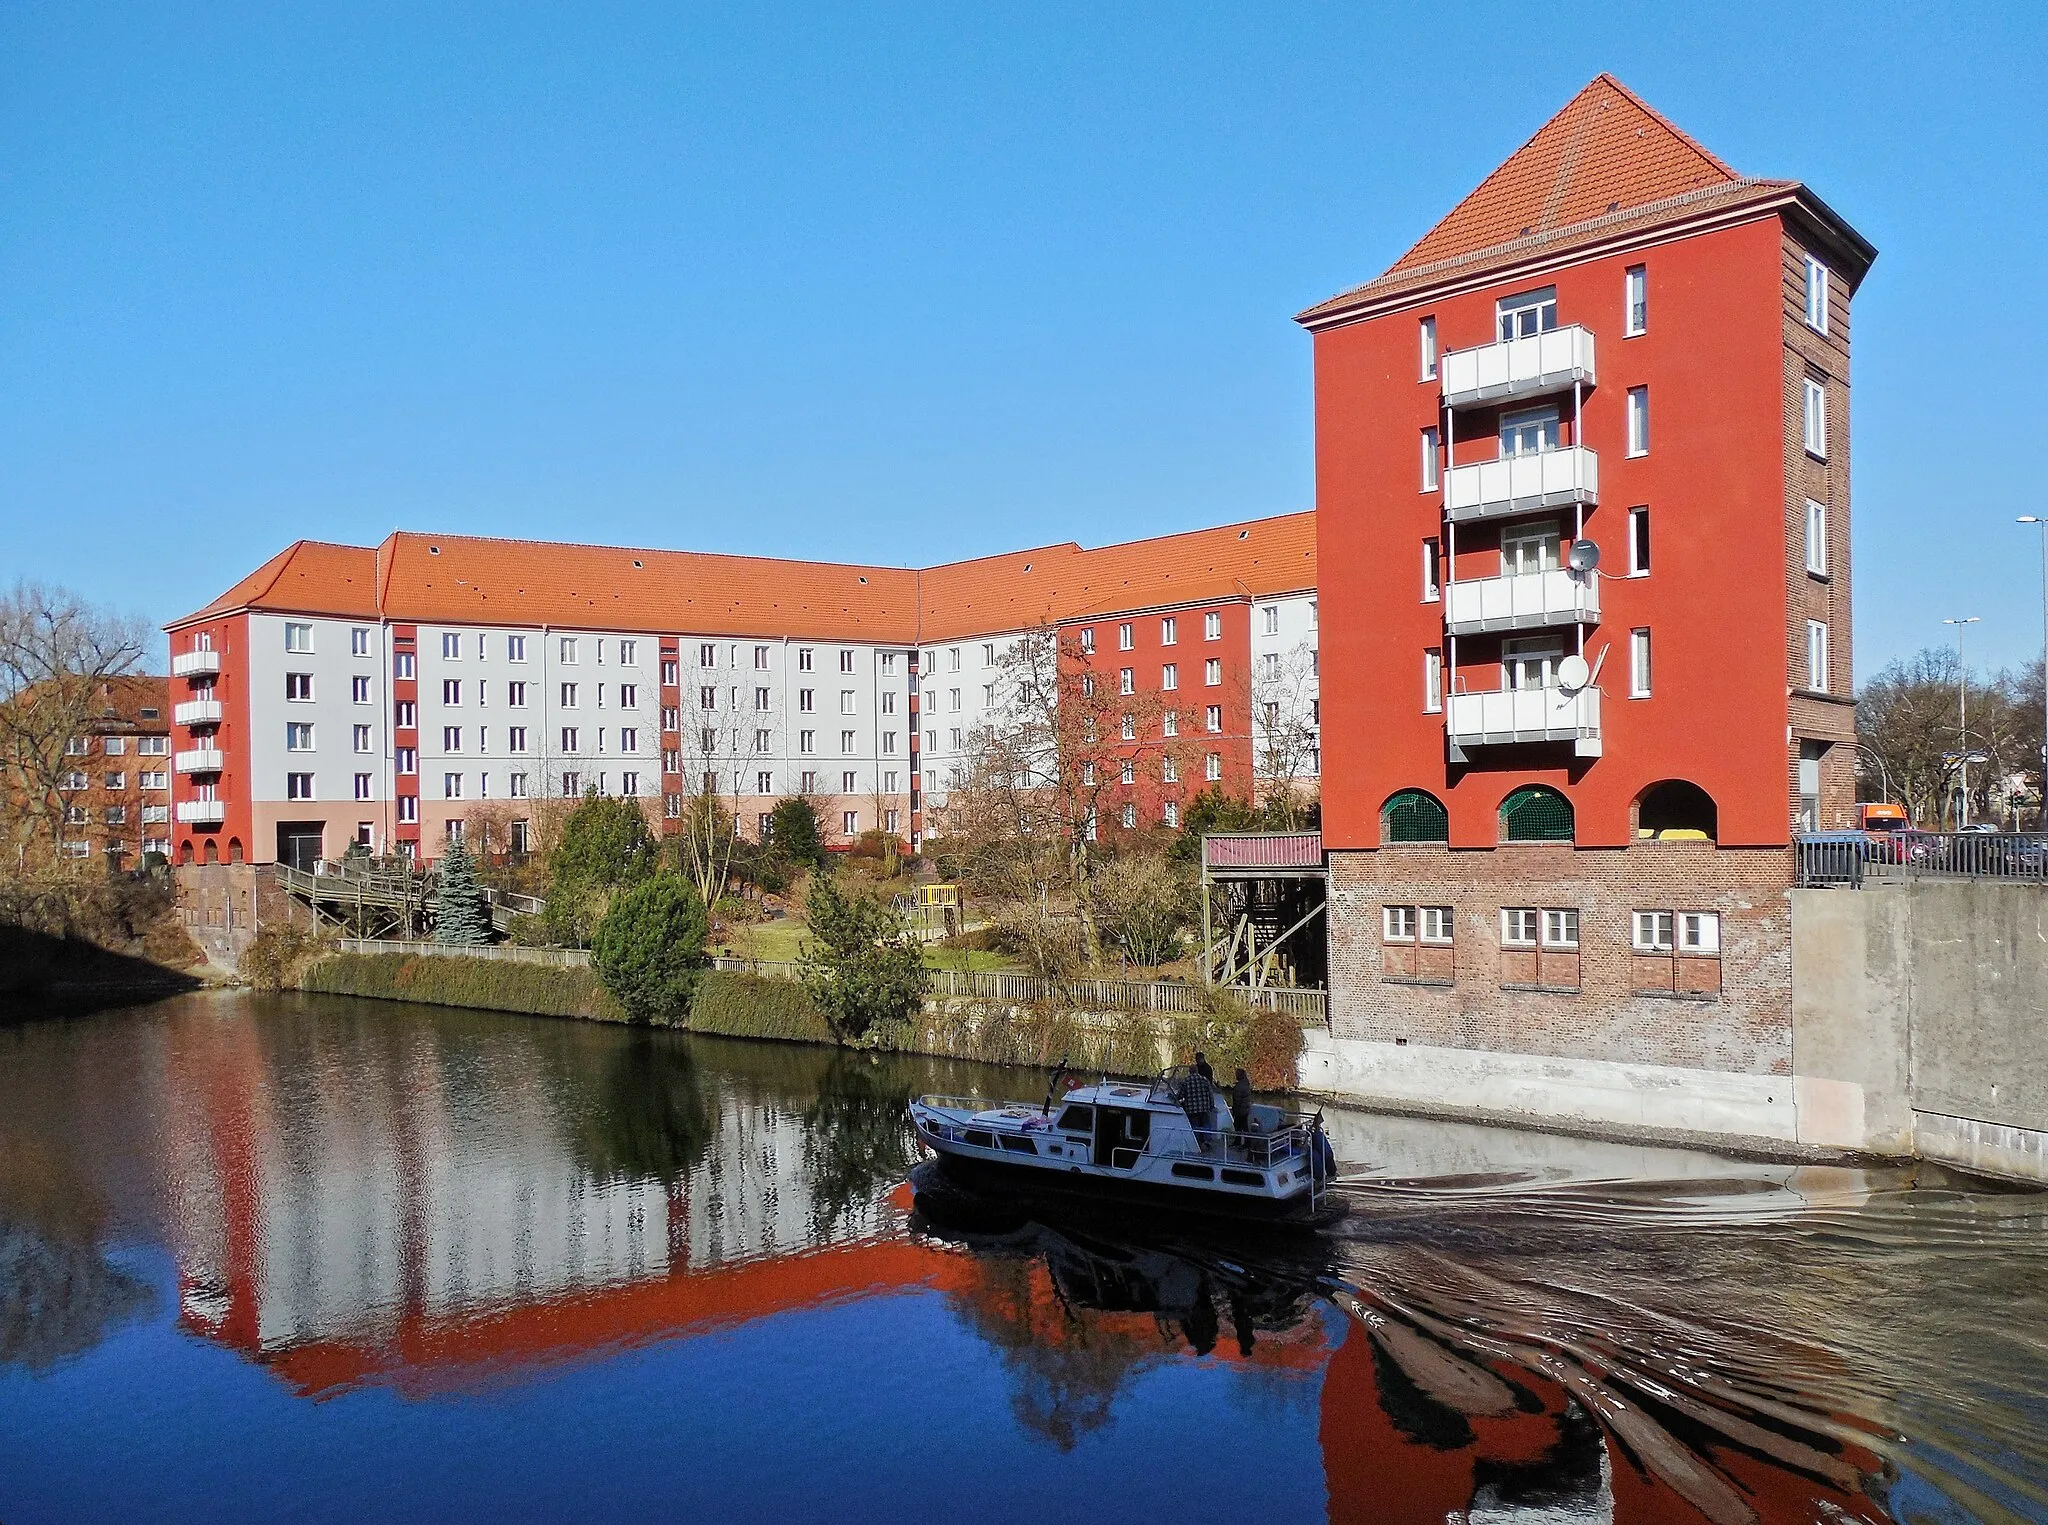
356	1260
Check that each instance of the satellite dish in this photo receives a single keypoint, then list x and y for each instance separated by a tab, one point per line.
1573	673
1584	556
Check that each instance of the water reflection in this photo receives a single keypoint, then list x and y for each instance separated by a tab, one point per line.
361	1198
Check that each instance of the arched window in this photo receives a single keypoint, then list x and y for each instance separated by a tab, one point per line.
185	852
212	851
234	849
1534	813
1676	811
1414	815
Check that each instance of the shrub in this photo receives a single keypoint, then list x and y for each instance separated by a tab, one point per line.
747	1006
276	955
862	968
605	846
1267	1044
794	830
453	980
649	947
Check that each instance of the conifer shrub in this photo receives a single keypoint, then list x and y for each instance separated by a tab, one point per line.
460	918
649	948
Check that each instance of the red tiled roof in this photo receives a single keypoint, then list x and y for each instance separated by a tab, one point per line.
1603	164
469	579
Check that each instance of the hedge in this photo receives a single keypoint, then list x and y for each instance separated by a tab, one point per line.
489	984
747	1006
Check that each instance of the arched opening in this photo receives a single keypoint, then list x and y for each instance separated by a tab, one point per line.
185	851
234	849
1536	813
1676	811
1414	815
212	851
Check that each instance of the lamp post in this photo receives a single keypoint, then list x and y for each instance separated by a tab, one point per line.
1963	717
2041	523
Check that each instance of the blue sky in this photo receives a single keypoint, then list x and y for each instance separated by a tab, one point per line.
903	283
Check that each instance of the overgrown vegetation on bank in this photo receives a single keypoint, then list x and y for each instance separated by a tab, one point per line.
63	927
488	984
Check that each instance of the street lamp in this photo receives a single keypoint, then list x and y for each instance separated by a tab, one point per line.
2041	523
1963	716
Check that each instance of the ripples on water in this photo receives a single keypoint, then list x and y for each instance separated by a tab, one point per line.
343	1260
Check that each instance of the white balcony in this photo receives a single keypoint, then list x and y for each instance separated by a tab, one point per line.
1521	484
193	664
1513	715
1528	602
204	760
1518	368
202	812
197	712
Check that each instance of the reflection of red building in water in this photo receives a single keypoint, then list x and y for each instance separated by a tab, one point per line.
390	1234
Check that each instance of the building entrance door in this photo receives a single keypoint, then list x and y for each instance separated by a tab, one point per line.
298	844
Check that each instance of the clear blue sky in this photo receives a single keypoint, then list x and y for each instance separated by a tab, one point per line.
903	283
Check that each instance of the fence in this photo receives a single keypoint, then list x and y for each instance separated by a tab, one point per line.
509	953
1852	859
1083	994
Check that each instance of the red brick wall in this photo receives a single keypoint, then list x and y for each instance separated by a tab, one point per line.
1731	1014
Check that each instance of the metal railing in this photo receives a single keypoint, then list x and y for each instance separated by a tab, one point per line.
1084	994
1852	859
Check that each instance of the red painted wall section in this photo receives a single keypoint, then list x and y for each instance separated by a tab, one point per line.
405	641
230	637
1714	600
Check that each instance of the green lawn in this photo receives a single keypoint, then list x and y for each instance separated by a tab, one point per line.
778	942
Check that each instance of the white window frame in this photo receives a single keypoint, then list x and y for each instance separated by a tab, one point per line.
1169	631
1212	625
1426	337
1635	301
1699	933
1169	676
1397	923
359	641
1125	637
451	646
1519	926
1212	767
1652	931
1638	421
1560	927
1543	302
1433	681
1816	538
1432	570
1270	613
1436	925
295	790
1817	656
298	736
1816	295
298	637
1212	673
1432	477
1639	549
1814	418
1639	663
515	648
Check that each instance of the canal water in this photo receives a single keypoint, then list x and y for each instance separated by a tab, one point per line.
270	1258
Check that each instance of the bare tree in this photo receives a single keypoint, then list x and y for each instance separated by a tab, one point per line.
1285	735
57	653
1909	723
718	764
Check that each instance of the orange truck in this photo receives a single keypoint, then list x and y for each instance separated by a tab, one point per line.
1881	817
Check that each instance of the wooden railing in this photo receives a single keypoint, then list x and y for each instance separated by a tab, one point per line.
510	953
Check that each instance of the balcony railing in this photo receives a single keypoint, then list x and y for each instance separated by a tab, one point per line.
202	812
202	760
1518	368
1526	602
1513	715
1521	484
197	712
193	664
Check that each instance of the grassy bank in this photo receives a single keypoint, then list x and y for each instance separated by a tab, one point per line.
747	1006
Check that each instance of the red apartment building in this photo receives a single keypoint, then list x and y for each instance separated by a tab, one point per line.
385	694
115	784
1583	493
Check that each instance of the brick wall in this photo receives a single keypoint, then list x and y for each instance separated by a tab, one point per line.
1730	1014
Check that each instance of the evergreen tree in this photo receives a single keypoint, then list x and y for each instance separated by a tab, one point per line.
794	830
649	947
605	846
460	918
862	967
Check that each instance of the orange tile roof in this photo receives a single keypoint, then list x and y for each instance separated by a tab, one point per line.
437	579
1606	163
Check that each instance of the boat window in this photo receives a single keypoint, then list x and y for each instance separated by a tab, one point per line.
981	1138
1243	1177
1078	1119
1016	1143
1196	1172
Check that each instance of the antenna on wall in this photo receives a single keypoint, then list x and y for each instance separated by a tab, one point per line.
1584	556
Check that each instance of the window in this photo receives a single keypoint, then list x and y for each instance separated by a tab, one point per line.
115	746
1635	301
358	642
409	810
1533	312
1427	337
1129	729
1212	626
1518	926
515	650
889	700
1088	685
363	786
568	651
1169	631
1169	676
1212	672
572	785
1432	681
1127	680
1212	766
1817	656
1535	813
807	741
803	659
764	782
889	664
1816	295
1130	815
760	659
298	687
568	696
1560	929
629	696
153	746
1639	542
1212	719
1437	923
1087	639
1124	637
569	739
451	738
629	783
1169	814
1127	772
1413	815
1532	431
77	746
1699	932
116	782
401	664
1431	477
298	786
297	637
760	741
1270	618
807	700
629	740
152	780
629	653
451	691
1169	723
1169	769
891	782
359	690
451	646
1816	538
1432	570
515	738
360	738
515	787
405	760
888	743
846	661
849	822
846	702
298	736
1816	418
1652	932
1638	420
846	742
1639	663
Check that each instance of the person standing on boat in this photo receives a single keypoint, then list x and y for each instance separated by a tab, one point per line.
1202	1067
1241	1102
1198	1098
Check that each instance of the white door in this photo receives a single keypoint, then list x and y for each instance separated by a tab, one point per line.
1530	664
1528	433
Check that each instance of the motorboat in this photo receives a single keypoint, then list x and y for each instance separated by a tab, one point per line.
1167	1143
